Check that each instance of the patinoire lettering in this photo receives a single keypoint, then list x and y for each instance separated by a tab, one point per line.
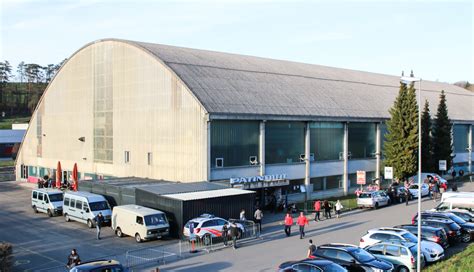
266	178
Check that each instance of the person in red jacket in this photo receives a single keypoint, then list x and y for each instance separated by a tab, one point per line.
302	220
288	223
317	209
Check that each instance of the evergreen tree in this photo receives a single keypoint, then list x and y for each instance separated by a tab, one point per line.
401	144
442	137
427	162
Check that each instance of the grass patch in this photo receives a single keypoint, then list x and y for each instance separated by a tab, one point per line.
6	123
7	163
461	262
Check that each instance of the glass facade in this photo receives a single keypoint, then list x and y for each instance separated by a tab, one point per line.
369	177
284	142
334	182
460	138
383	133
362	140
318	183
234	141
326	140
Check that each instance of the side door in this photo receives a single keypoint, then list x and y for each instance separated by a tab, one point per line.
138	226
41	203
348	260
392	253
207	228
377	250
85	209
79	211
72	208
34	199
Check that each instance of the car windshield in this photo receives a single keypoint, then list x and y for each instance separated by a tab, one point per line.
334	268
410	237
362	255
55	197
99	206
155	219
457	219
365	195
464	216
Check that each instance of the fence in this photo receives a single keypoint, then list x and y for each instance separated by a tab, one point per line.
147	256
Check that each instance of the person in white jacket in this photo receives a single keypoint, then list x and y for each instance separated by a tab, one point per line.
339	208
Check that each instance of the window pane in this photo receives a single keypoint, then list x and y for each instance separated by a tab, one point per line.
361	140
333	182
326	140
317	183
284	142
461	134
234	141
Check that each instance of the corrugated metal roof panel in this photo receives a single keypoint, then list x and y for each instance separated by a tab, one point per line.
209	194
175	188
11	135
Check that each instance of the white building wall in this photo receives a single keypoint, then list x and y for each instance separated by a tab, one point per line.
153	111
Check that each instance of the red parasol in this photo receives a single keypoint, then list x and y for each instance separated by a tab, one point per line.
59	174
74	177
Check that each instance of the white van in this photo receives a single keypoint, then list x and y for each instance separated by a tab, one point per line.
49	201
139	222
456	202
84	207
455	194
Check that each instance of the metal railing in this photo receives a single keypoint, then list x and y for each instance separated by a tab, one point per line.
146	256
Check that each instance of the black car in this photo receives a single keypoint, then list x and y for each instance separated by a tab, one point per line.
453	230
99	265
315	264
351	257
467	229
433	234
467	216
397	193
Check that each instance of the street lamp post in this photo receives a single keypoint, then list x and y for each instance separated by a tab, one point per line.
413	80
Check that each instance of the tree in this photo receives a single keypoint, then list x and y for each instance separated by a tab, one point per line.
401	144
49	72
5	75
427	162
21	71
442	137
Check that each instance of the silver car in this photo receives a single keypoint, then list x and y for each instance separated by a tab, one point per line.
401	255
373	199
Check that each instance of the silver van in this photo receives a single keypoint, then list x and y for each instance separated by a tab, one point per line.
48	201
84	207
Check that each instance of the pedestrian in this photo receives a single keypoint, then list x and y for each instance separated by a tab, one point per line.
436	190
443	188
317	210
311	248
288	224
234	233
242	215
73	259
302	221
339	208
461	174
225	233
327	209
258	219
430	189
454	174
407	193
99	219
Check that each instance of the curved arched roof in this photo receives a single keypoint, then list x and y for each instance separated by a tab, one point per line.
239	86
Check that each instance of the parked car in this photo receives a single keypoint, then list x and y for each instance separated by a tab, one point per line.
49	201
352	258
464	214
433	234
100	265
208	227
139	222
315	265
425	176
374	199
453	230
403	256
431	251
456	202
467	229
447	195
84	207
425	190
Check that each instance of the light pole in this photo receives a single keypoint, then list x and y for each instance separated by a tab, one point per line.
413	80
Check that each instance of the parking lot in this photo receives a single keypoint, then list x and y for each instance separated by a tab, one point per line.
41	242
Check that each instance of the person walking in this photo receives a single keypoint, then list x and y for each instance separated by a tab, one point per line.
242	215
436	190
288	224
311	249
317	210
407	193
234	232
225	233
73	259
99	220
339	208
302	221
454	174
258	219
327	209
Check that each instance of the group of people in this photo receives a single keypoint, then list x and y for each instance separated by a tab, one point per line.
326	207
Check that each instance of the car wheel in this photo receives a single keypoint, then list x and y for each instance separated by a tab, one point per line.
376	205
466	238
50	214
66	217
35	209
89	224
403	269
138	239
207	239
118	232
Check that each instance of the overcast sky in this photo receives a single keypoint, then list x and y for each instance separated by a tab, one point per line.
433	38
